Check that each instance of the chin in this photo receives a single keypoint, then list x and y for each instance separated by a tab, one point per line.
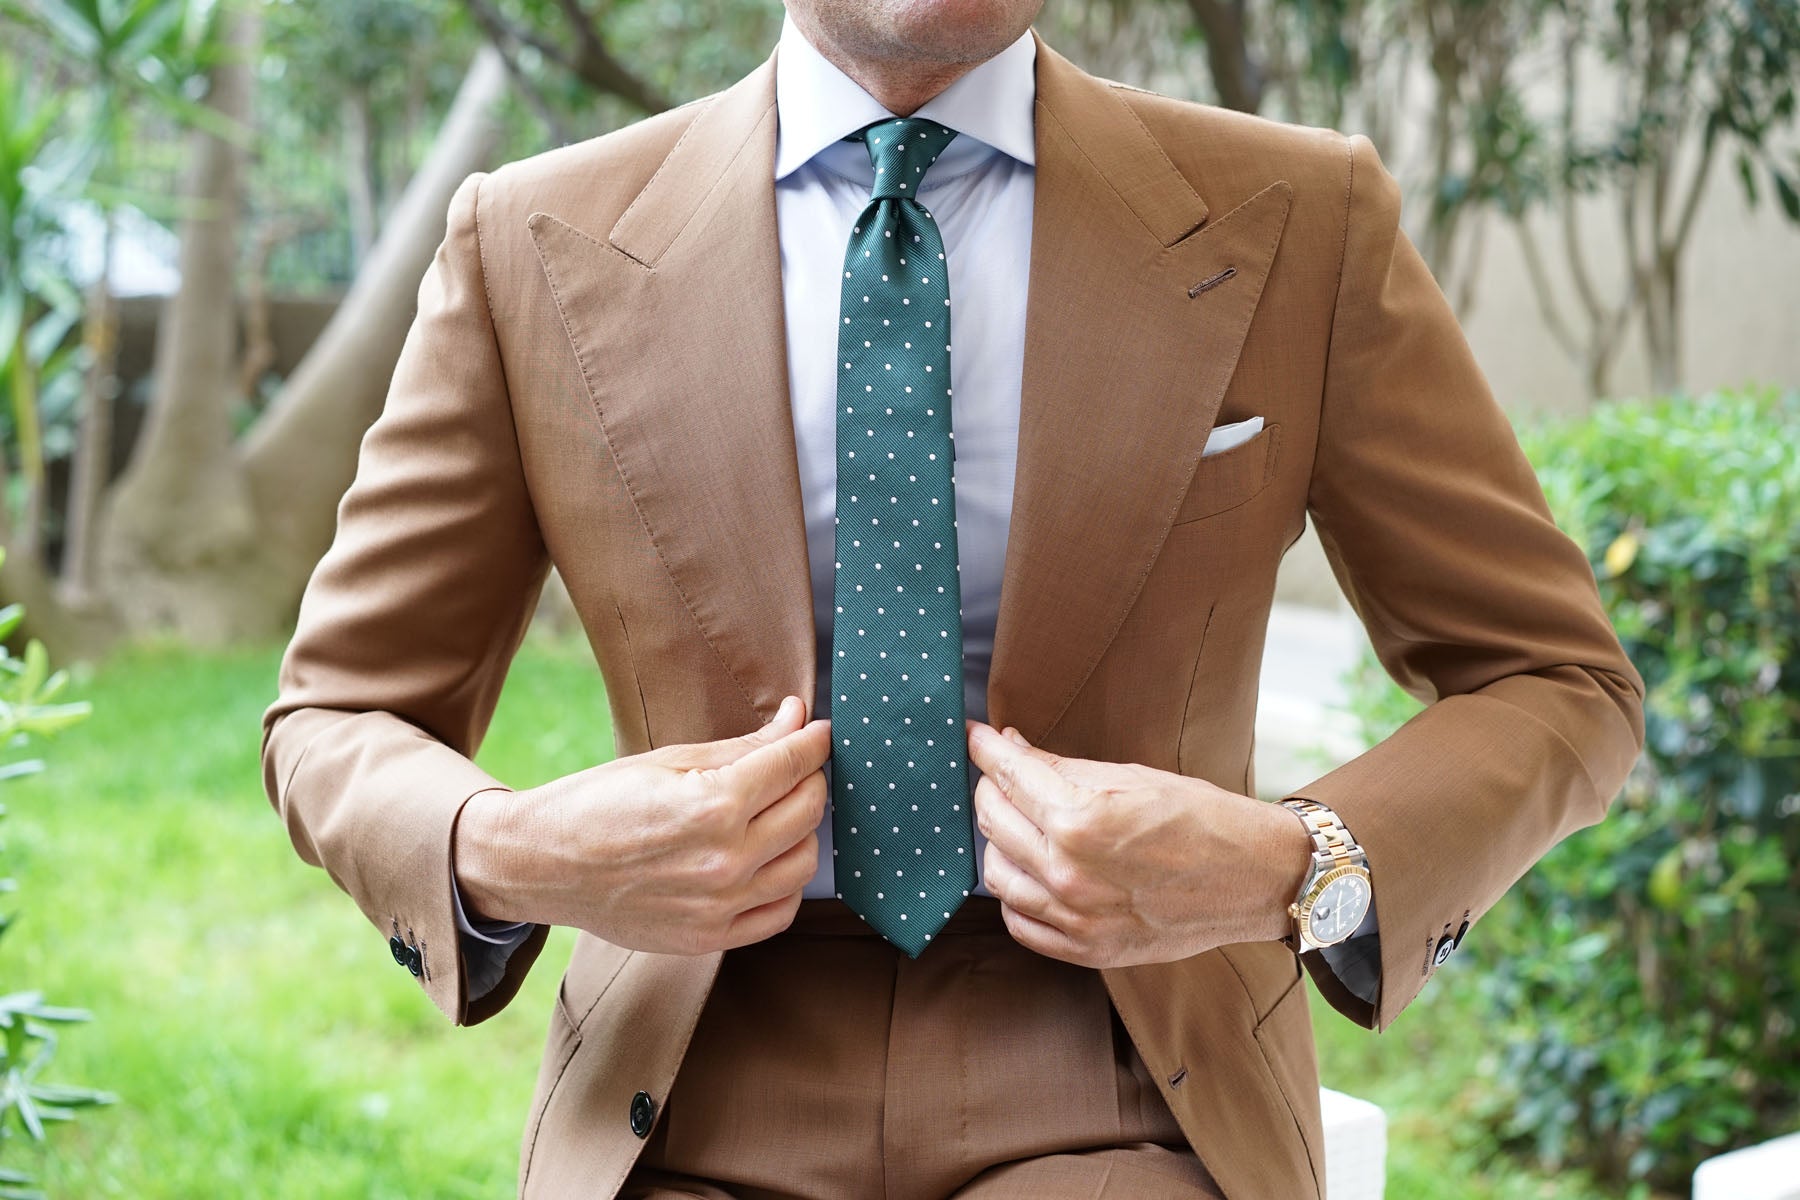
945	31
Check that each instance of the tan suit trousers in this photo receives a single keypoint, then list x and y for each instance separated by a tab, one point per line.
829	1066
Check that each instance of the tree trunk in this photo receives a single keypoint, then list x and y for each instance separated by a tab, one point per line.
1598	370
75	633
92	468
1235	75
360	173
214	541
26	539
181	515
301	456
1662	323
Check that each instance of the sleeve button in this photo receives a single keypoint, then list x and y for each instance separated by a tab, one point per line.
1445	945
398	948
414	961
643	1114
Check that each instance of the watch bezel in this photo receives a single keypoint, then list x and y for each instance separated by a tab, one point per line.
1304	906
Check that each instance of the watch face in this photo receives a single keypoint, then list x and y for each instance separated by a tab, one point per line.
1339	906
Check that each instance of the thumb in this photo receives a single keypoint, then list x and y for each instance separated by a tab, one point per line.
700	755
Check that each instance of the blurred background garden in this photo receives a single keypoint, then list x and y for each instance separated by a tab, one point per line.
213	221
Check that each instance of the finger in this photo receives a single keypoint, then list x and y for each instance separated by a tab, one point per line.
1042	938
1001	822
695	756
768	772
763	922
789	871
1023	773
776	828
1016	889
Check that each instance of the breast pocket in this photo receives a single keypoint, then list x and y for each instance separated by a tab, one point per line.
1229	478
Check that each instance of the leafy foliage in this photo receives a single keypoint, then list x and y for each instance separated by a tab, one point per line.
28	1039
38	305
1727	67
1643	980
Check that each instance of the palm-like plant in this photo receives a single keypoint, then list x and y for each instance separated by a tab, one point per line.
38	172
29	709
132	56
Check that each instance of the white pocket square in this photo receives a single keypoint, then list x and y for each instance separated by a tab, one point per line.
1224	437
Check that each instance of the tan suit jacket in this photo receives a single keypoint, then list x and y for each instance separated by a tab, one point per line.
596	379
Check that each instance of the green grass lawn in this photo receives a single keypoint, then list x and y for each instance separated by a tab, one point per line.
261	1041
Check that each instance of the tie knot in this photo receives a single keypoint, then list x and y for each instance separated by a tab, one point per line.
902	150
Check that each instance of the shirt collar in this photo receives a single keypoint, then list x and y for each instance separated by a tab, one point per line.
818	105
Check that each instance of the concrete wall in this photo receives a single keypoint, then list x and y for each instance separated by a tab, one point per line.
1741	296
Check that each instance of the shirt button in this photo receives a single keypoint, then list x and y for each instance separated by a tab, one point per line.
1445	945
643	1114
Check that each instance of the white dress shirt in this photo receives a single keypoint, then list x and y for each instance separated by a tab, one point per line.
980	193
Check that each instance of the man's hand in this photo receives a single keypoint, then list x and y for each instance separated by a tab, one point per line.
684	849
1112	864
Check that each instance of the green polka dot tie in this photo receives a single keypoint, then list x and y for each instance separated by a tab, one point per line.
901	824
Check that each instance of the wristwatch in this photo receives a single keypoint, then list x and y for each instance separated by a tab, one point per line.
1336	894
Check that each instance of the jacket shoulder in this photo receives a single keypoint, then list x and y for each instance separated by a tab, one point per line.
594	179
1229	155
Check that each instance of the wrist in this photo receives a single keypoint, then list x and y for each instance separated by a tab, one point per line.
1285	857
1336	894
480	854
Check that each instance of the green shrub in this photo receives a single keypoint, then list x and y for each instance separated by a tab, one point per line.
28	690
1643	981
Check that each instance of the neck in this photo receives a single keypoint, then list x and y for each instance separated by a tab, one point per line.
902	86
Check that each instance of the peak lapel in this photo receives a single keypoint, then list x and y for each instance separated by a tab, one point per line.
676	318
1124	375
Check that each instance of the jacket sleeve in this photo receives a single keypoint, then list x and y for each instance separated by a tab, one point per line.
1437	530
405	632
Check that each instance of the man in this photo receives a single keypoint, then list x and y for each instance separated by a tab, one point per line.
694	363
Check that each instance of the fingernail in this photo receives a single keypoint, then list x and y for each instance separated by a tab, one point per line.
787	705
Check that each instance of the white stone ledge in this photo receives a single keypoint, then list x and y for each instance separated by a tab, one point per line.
1770	1171
1355	1147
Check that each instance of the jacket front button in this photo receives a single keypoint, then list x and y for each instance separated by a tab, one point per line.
643	1114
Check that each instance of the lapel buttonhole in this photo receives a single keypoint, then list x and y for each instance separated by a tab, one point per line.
1211	281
